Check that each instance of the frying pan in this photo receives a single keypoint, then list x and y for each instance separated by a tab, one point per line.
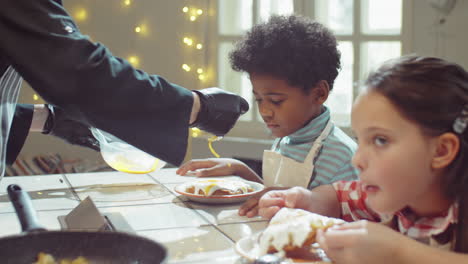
101	247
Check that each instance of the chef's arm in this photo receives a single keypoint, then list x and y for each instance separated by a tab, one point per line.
52	120
41	113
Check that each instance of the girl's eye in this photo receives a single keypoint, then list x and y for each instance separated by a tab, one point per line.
380	141
258	100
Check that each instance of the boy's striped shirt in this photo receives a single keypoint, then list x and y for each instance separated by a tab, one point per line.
333	161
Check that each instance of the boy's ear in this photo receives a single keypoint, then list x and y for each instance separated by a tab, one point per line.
448	145
321	91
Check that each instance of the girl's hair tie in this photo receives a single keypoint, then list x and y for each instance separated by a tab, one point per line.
460	123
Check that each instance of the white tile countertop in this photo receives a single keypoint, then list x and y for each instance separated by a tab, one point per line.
192	232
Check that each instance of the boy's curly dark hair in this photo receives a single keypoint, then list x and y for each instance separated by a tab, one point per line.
293	48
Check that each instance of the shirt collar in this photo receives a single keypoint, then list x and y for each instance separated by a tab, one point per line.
424	227
311	130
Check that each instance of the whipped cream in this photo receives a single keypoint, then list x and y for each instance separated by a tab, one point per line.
292	227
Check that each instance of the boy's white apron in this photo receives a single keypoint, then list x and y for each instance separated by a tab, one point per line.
278	170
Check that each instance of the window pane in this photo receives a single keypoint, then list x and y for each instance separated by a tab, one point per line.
381	17
341	97
375	53
279	7
336	15
235	17
233	81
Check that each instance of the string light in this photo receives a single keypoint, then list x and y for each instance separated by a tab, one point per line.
193	13
80	14
134	60
186	67
188	41
142	29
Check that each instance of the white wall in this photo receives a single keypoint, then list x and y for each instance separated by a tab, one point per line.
448	40
164	52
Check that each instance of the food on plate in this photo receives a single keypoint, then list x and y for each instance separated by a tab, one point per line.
218	187
293	231
44	258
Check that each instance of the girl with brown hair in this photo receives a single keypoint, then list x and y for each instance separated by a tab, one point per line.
411	125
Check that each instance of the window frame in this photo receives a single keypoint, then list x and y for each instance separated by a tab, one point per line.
255	129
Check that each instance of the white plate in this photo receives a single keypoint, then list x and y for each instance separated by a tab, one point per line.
248	248
217	199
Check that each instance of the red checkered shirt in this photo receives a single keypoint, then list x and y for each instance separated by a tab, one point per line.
354	206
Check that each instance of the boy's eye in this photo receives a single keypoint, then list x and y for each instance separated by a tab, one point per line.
277	102
380	141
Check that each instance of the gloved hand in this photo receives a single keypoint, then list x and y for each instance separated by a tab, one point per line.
72	131
219	110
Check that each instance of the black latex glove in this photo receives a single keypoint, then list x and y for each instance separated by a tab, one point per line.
72	131
219	110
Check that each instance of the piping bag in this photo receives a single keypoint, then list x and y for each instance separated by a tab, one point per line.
124	157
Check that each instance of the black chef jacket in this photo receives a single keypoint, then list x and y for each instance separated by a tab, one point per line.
41	41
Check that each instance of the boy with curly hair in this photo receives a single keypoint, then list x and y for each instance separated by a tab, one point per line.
292	62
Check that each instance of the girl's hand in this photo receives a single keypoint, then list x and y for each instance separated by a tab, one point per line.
210	167
273	201
361	242
250	207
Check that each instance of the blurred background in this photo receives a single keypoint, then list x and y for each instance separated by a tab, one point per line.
188	41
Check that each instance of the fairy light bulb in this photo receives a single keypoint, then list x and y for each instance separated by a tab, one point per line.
201	77
142	29
199	70
127	2
199	46
186	68
185	9
81	14
134	60
193	18
35	97
199	12
188	41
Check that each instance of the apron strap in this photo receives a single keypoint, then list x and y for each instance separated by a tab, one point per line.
316	146
276	144
318	141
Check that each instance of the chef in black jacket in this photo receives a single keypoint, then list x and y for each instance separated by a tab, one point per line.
85	85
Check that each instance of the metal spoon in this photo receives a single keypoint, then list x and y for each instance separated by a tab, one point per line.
270	259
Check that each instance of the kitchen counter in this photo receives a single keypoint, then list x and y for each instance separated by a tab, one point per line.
192	232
